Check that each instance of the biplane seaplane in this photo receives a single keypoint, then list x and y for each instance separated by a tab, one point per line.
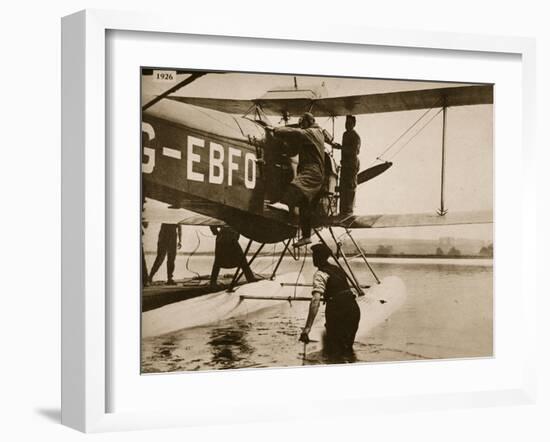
215	162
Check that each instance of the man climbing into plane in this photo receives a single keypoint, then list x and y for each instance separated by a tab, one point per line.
342	313
351	145
307	141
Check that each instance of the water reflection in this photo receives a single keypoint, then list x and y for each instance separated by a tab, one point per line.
229	346
324	357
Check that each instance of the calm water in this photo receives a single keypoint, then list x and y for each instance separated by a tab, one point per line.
448	314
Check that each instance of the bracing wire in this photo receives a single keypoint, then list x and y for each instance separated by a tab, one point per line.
403	134
391	145
414	136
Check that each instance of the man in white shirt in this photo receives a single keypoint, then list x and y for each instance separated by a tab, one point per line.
342	313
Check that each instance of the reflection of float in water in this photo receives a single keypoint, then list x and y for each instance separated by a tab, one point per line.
216	307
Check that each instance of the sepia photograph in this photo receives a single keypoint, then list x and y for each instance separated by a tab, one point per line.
291	220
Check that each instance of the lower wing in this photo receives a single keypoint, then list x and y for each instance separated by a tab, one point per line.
413	220
154	211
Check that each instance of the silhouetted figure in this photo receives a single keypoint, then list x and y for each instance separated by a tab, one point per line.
228	254
168	243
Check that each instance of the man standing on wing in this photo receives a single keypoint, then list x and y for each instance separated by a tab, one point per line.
342	313
351	145
307	141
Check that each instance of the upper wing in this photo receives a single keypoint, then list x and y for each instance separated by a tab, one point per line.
227	105
286	106
414	220
403	101
270	106
353	104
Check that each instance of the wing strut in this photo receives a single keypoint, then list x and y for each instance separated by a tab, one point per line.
360	250
280	259
351	279
240	271
340	252
442	210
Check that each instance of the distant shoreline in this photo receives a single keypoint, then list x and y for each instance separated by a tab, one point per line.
368	255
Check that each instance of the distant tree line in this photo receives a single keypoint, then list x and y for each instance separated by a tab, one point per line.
453	251
384	250
487	251
388	250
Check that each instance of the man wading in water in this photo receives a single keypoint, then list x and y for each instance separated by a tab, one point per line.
342	313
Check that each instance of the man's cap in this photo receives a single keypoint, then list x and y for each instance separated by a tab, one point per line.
309	117
321	250
351	118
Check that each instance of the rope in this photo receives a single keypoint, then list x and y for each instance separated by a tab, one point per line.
414	136
191	254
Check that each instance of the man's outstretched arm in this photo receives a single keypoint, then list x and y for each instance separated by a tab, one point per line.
313	310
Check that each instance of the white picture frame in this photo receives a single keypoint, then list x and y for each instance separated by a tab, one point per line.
85	215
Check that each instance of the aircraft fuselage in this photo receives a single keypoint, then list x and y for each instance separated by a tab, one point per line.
213	172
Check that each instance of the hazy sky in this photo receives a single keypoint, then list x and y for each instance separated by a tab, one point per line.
413	183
